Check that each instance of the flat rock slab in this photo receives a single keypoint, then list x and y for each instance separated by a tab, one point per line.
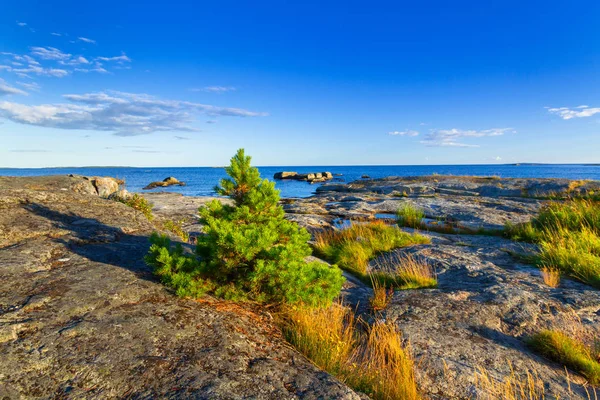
81	315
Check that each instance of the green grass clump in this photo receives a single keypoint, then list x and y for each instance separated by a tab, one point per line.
352	248
249	250
570	352
138	203
568	235
410	216
574	252
176	227
524	232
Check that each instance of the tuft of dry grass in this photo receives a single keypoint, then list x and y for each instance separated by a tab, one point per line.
528	386
353	247
404	272
551	276
372	360
381	294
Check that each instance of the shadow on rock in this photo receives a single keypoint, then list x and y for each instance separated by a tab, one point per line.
97	241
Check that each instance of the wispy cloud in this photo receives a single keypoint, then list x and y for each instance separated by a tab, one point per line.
57	63
181	138
575	112
453	137
31	86
21	23
86	40
6	89
120	59
406	132
214	89
96	69
29	151
79	60
55	34
211	121
124	114
36	70
49	53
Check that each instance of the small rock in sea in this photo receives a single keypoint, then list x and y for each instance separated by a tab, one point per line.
313	177
170	181
365	177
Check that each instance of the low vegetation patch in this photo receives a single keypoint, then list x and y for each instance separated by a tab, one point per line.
353	247
404	272
526	386
568	234
551	276
373	360
249	250
410	216
570	352
382	295
176	227
138	203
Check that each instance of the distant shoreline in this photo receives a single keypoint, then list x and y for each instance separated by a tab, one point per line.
523	164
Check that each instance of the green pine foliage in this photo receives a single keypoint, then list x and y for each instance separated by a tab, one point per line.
249	250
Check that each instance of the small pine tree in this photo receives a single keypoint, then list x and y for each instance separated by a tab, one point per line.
250	249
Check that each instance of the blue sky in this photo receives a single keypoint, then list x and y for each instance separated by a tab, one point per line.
317	83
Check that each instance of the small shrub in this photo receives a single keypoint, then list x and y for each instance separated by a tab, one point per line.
551	276
372	360
353	247
570	352
138	203
410	216
249	249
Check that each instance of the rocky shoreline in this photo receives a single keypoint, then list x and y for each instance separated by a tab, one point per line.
82	316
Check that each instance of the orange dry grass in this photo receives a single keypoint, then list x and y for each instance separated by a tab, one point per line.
513	387
551	276
381	295
371	360
405	272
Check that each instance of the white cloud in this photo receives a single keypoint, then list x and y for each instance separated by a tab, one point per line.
575	112
32	86
124	114
406	132
29	151
97	69
86	40
215	89
120	59
451	137
498	158
6	89
55	34
36	70
21	23
49	53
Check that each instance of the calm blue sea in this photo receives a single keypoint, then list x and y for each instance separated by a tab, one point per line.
201	181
